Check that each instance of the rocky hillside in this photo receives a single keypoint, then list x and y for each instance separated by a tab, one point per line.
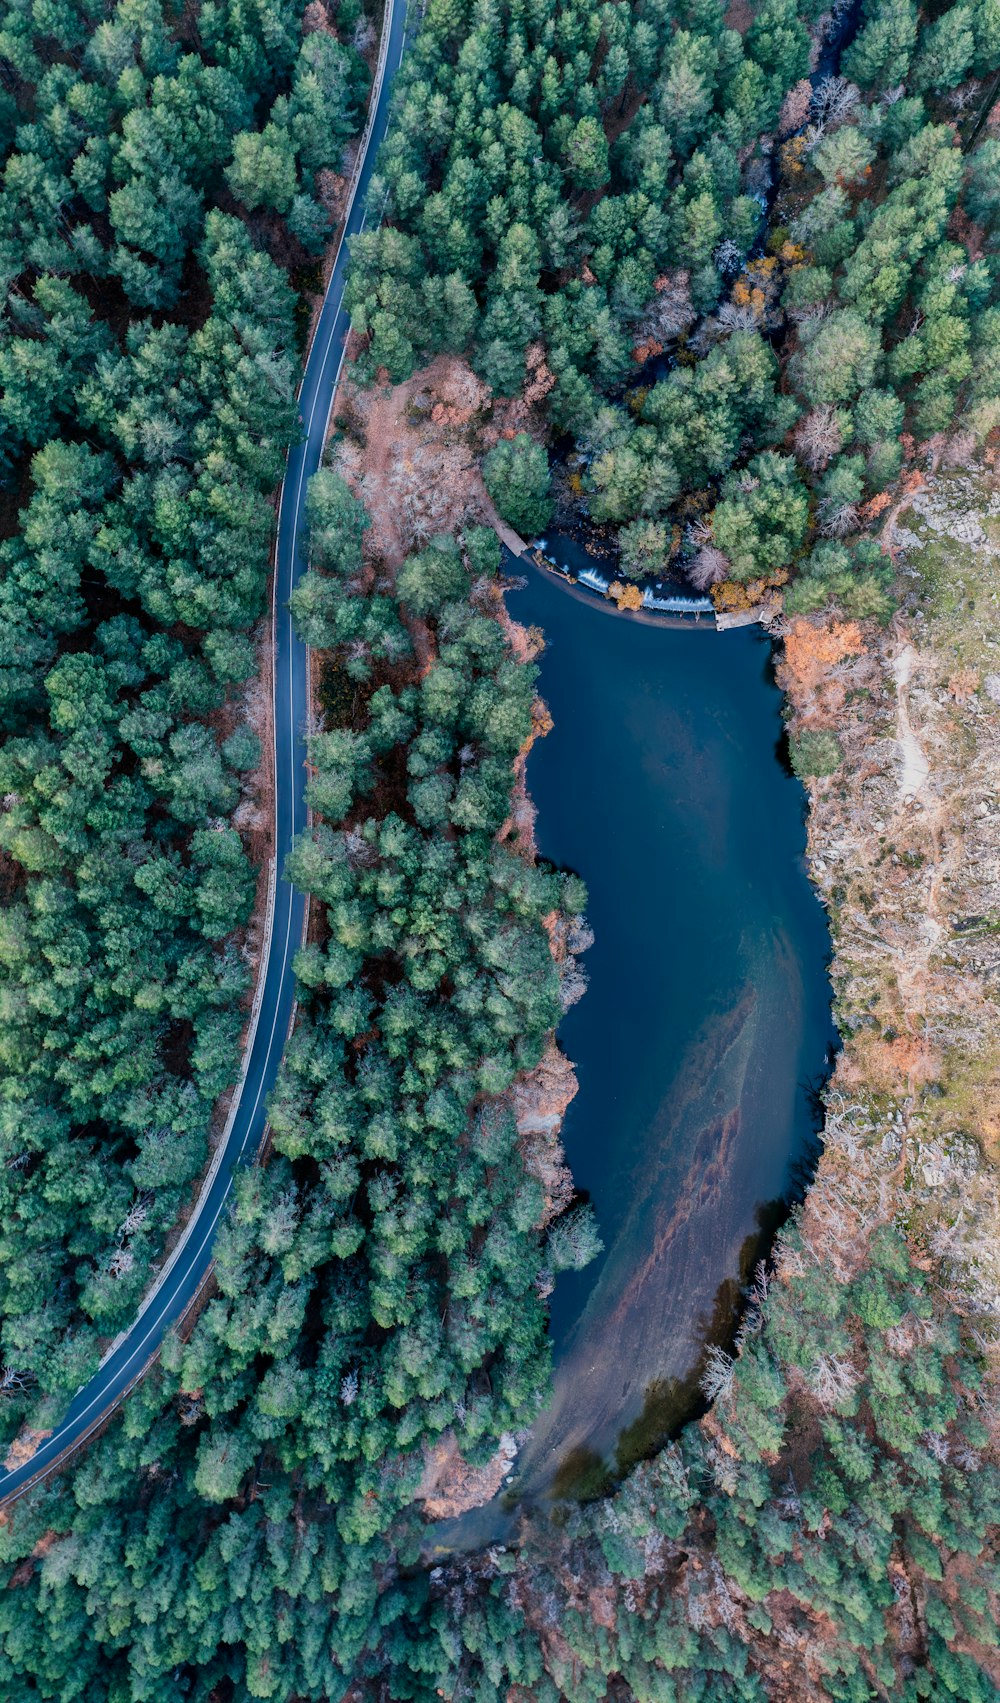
829	1530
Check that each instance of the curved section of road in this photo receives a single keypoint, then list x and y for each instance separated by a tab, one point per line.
190	1264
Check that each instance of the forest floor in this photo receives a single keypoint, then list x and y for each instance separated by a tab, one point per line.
412	451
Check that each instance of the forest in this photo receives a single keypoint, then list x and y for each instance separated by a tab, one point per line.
148	363
806	274
620	182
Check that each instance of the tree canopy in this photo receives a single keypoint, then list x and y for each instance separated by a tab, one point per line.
755	299
148	361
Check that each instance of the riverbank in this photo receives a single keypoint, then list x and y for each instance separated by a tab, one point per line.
692	1151
844	683
834	1513
704	1033
903	849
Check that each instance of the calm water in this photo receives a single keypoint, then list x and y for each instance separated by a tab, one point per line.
706	1027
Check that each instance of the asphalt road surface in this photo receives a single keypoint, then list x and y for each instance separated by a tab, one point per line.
191	1262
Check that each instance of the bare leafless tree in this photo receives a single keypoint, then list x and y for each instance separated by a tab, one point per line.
670	312
833	100
832	1380
121	1261
724	1470
573	983
789	1503
837	519
728	256
14	1382
722	1592
709	567
738	316
359	851
818	438
135	1217
961	99
716	1380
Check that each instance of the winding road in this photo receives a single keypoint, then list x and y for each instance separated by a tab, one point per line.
190	1264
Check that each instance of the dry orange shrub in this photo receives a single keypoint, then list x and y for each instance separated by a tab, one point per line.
812	651
894	1066
744	296
791	155
874	507
541	720
731	598
964	685
626	596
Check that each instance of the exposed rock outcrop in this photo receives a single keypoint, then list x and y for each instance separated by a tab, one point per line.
450	1486
904	847
540	1101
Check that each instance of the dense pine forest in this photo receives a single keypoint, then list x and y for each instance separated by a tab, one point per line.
158	183
595	178
756	306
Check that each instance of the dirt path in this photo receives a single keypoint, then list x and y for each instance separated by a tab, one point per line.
916	769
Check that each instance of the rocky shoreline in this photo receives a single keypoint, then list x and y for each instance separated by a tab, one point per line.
904	852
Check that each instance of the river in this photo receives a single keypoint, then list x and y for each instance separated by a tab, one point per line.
706	1028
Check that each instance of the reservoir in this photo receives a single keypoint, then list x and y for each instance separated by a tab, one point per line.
705	1033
